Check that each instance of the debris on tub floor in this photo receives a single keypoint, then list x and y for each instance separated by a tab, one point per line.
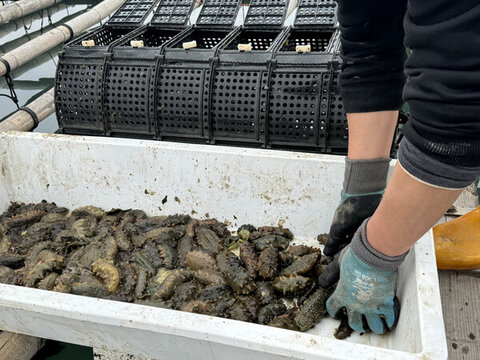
175	262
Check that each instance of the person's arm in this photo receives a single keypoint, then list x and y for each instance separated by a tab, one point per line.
372	80
441	152
438	157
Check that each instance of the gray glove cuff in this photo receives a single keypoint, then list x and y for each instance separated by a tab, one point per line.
369	255
365	176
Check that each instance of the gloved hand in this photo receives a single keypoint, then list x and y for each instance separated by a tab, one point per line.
366	288
351	212
363	187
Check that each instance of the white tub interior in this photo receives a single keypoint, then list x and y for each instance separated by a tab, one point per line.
235	185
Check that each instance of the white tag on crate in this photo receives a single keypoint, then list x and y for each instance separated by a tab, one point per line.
88	43
190	45
304	48
245	47
136	43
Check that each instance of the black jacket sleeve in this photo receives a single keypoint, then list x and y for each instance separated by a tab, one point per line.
373	54
443	70
443	86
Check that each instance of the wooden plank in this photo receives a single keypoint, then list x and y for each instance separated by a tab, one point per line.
4	337
466	202
19	347
461	312
460	295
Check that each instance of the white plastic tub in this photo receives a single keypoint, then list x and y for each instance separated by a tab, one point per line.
236	185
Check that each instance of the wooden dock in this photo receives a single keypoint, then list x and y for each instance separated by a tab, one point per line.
460	292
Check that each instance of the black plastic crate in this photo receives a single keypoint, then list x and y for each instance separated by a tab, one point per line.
208	42
240	87
205	39
129	85
316	13
153	38
266	13
79	81
132	13
261	40
298	106
81	70
181	101
218	14
183	84
337	119
300	90
173	13
78	96
238	105
103	37
128	99
319	41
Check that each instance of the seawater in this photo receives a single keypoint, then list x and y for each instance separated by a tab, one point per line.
36	77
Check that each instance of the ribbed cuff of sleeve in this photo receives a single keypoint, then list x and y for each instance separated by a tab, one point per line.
433	172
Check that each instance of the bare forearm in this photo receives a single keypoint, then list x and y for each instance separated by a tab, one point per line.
408	210
371	134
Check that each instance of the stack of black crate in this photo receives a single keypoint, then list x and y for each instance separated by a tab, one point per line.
81	70
261	84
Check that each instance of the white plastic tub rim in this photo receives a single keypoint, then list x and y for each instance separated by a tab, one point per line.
235	185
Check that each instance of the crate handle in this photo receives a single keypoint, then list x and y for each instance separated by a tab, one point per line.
245	47
136	43
88	43
304	48
190	45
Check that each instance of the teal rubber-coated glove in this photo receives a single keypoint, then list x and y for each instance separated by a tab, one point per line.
366	293
349	215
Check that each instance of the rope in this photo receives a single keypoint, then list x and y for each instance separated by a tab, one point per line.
7	64
8	79
70	30
33	115
49	15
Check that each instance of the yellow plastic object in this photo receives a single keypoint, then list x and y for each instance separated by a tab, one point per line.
88	43
190	45
303	48
136	43
457	242
245	47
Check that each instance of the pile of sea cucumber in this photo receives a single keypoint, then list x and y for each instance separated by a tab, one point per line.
176	262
